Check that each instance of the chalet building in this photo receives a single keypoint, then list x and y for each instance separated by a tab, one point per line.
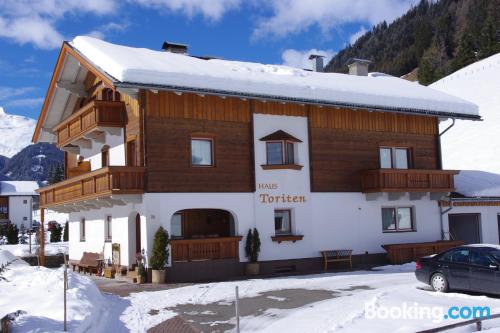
16	202
209	148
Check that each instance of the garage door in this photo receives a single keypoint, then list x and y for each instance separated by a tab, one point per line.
465	227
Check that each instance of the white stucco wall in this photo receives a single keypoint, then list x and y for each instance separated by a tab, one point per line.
18	210
488	222
116	150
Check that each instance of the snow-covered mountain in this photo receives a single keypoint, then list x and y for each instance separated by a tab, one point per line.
474	145
15	133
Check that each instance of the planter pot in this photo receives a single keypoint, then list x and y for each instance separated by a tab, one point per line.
252	268
158	276
140	279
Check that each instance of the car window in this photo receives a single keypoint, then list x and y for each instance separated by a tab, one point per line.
496	254
458	256
481	259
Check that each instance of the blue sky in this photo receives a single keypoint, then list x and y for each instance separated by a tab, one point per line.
267	31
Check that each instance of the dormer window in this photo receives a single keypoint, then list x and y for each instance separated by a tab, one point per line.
281	150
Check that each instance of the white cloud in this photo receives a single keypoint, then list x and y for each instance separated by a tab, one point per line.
294	16
9	92
300	58
27	21
210	9
355	36
103	30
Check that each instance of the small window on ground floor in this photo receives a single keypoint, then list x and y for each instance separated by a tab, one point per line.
397	219
176	225
82	230
282	222
108	224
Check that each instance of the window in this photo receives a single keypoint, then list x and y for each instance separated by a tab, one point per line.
105	156
394	158
176	225
397	219
481	259
25	202
282	222
460	256
280	152
4	208
25	218
82	230
202	152
108	228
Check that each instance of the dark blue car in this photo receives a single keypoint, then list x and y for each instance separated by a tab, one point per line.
471	267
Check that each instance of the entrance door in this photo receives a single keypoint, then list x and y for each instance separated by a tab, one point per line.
131	153
465	227
138	246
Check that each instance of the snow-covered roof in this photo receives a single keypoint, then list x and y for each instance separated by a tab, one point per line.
140	67
474	145
10	188
474	183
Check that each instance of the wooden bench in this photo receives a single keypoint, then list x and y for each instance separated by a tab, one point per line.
89	263
336	256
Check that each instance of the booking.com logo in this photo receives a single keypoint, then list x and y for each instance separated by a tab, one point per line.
435	313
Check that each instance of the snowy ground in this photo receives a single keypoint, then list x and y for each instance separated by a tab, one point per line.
39	293
333	302
21	250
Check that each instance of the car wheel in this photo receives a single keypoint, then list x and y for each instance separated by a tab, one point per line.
439	283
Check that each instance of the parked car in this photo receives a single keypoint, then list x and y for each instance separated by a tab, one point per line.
471	267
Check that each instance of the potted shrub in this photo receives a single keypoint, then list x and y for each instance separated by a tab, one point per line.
140	270
159	258
252	249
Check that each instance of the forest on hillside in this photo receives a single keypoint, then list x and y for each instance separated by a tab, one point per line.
437	37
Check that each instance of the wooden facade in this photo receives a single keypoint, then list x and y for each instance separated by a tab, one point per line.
205	249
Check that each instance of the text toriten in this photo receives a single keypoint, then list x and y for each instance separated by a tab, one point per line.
283	198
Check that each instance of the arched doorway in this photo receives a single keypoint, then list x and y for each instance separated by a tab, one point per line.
203	234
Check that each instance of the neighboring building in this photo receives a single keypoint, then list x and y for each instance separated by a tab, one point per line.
472	213
475	146
16	202
209	148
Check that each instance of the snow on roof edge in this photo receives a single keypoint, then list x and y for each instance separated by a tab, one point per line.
297	86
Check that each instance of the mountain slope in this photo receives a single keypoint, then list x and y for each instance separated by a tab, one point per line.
474	145
33	162
16	133
439	37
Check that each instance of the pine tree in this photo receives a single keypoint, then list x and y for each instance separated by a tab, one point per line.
55	233
248	245
489	42
159	257
12	234
466	53
66	232
252	245
51	175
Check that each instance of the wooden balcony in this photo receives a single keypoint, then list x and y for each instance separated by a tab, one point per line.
99	184
205	249
403	253
407	180
90	121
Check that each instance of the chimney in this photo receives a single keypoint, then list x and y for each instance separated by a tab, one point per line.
317	62
358	66
174	47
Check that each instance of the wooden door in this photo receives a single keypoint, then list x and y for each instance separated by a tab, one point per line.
138	246
131	153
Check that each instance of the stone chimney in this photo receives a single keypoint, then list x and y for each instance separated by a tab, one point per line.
175	47
358	66
317	62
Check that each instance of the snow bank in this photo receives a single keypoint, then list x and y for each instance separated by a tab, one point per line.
16	132
473	183
22	250
6	257
39	292
474	145
144	66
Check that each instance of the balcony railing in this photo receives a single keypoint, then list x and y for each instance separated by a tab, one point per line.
407	180
93	116
205	248
96	184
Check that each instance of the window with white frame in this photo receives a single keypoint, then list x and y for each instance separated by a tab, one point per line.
395	158
202	152
280	152
176	225
283	222
82	230
396	219
108	228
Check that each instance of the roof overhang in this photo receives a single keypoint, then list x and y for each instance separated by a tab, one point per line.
67	52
